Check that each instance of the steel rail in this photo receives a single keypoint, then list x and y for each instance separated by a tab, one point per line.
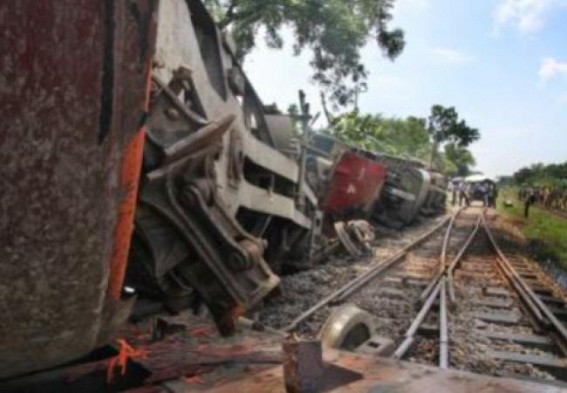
457	259
386	265
443	326
418	320
381	268
526	290
437	287
449	269
359	282
446	238
442	259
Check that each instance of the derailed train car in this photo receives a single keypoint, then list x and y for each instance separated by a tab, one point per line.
347	182
73	93
412	190
154	164
404	188
134	109
222	200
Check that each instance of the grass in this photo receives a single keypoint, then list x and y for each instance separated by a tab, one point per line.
548	233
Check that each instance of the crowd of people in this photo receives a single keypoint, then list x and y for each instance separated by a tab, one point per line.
464	192
549	197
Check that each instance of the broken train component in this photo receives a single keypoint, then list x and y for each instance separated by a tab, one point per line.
348	327
222	200
355	236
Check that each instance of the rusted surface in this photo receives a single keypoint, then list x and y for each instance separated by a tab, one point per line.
72	87
387	376
303	365
252	362
196	359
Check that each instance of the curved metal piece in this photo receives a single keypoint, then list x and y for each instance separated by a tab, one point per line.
362	231
345	239
347	328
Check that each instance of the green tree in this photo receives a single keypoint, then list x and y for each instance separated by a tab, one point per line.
334	30
540	174
402	137
366	131
411	137
462	159
444	126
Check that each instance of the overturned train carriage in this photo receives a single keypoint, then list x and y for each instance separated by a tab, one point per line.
73	92
393	190
91	138
347	182
142	155
436	200
222	198
406	192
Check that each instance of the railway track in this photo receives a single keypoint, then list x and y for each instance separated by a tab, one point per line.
454	299
491	313
396	281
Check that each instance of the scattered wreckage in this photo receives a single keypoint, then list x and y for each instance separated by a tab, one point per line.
227	197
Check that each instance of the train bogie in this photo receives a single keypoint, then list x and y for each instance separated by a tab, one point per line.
220	193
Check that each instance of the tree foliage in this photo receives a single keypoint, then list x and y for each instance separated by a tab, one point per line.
540	174
410	137
444	126
334	30
404	137
461	158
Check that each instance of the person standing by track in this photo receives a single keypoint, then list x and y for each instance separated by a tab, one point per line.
530	200
463	189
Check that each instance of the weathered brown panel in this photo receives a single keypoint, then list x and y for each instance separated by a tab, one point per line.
64	130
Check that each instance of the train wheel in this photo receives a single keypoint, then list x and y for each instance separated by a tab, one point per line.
347	328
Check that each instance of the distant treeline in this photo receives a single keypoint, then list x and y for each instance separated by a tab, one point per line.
542	175
440	140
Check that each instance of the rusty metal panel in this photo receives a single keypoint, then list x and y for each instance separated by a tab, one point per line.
72	93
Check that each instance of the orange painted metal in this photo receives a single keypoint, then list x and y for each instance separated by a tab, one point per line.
129	179
73	89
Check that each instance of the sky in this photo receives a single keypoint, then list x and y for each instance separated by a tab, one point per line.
501	63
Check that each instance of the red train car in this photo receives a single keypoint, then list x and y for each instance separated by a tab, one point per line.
355	185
